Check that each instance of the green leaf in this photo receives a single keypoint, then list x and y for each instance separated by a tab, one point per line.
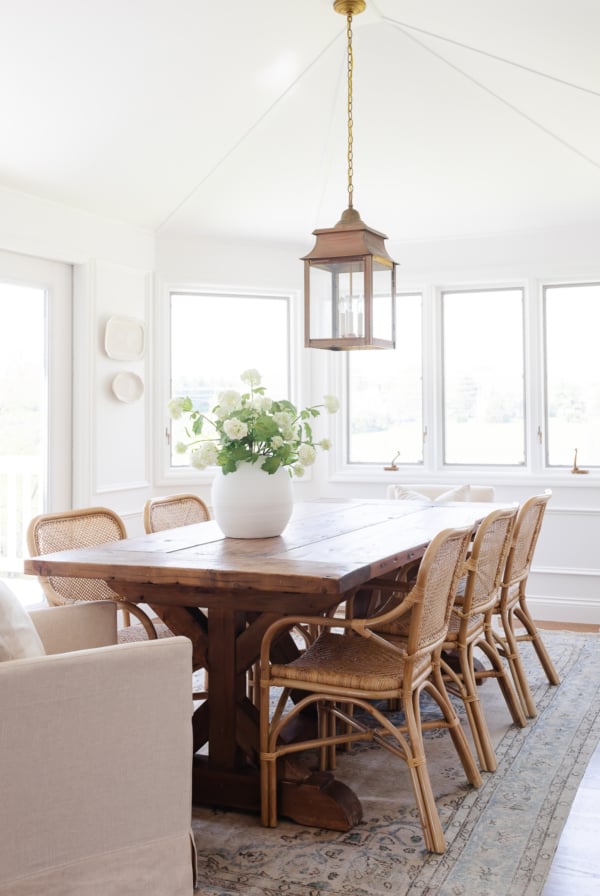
271	465
265	428
285	405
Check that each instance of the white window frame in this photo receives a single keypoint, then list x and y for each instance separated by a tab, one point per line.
441	417
56	280
346	416
165	474
544	287
535	471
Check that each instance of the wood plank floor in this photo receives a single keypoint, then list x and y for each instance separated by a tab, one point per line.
575	870
576	865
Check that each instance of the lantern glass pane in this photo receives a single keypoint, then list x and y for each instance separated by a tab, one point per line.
336	299
351	302
382	304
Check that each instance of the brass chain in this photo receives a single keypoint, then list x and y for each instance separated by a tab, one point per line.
350	137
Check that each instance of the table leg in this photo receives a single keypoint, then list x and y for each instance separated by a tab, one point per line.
228	773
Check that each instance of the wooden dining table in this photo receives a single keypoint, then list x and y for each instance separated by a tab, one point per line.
223	593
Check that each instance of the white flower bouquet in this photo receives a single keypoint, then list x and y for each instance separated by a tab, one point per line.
250	427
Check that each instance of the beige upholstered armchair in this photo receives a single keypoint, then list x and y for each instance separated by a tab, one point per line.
95	760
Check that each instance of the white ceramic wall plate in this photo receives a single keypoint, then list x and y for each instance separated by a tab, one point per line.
124	339
127	386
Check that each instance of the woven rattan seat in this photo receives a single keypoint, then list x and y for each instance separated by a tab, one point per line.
467	631
172	511
351	665
52	532
511	607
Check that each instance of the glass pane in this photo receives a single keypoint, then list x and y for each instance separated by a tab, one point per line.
214	338
572	319
385	394
351	302
483	377
382	304
23	410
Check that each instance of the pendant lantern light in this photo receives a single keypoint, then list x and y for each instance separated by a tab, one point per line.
349	278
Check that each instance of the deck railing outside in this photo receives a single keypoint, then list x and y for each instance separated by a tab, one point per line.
21	499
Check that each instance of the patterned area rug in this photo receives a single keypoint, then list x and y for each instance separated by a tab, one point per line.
501	838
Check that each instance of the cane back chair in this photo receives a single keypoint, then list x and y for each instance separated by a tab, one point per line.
48	533
511	607
477	595
172	511
348	669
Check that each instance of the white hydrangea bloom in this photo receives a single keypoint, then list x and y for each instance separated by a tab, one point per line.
306	455
229	401
209	453
176	406
204	456
325	444
276	442
283	419
252	377
298	470
235	429
331	403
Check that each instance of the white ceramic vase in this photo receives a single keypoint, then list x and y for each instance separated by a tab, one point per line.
250	503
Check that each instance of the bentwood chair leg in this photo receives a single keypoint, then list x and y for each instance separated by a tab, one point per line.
499	671
126	618
523	615
436	688
516	666
326	729
433	833
475	715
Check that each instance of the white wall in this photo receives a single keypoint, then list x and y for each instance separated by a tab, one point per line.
113	266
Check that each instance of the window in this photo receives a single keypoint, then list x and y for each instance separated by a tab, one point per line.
385	389
483	377
571	318
35	404
215	337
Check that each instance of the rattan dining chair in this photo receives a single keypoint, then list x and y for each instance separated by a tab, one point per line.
511	607
351	664
48	533
172	511
476	596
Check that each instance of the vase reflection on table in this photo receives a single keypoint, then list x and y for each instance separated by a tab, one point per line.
257	444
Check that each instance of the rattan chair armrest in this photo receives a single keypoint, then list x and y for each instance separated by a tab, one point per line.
141	615
288	622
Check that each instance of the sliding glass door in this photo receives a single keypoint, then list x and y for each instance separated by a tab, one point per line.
35	404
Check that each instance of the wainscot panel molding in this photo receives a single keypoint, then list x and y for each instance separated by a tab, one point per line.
112	437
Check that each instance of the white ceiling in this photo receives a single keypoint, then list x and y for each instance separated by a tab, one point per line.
228	117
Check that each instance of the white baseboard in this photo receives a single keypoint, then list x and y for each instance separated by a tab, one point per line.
556	609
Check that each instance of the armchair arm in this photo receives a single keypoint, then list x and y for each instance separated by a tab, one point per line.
76	626
365	626
95	768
